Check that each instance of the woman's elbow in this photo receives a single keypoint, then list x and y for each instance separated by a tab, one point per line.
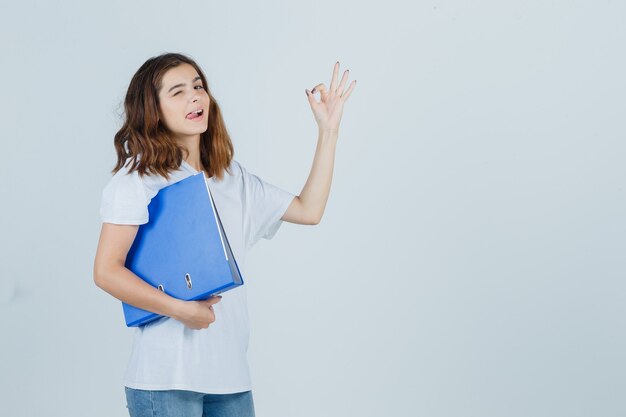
99	275
315	220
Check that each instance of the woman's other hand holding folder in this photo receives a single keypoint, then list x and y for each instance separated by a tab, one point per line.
197	314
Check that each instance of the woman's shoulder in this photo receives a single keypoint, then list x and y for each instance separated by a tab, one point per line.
235	167
128	175
239	169
237	172
124	198
234	172
128	190
124	182
124	178
129	182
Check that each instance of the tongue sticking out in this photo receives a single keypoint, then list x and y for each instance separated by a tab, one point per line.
192	116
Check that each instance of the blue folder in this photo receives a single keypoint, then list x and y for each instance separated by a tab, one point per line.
183	249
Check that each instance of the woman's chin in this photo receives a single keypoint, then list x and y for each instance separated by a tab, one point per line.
190	132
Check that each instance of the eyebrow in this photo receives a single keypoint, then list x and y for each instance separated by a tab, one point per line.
182	84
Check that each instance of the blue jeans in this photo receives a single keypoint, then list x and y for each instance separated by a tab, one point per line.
179	403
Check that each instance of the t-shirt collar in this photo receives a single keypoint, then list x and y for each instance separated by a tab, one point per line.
192	169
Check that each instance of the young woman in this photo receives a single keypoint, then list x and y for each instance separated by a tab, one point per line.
193	361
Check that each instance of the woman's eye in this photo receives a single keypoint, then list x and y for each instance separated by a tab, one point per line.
197	86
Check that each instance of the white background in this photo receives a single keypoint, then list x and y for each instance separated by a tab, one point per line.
471	258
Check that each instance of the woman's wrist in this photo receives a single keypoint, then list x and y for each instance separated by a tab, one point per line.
176	308
327	137
328	131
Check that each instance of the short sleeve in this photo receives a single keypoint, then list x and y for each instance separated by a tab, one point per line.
124	199
265	205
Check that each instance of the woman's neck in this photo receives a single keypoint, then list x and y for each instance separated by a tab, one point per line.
192	146
194	161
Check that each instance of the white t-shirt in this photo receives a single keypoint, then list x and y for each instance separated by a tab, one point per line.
166	354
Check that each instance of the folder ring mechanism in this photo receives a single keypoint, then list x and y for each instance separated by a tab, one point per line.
187	280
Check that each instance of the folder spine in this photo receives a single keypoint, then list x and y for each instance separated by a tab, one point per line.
215	214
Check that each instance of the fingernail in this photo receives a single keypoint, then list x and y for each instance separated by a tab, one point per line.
313	91
306	92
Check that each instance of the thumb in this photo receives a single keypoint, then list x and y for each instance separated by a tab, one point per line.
212	300
311	97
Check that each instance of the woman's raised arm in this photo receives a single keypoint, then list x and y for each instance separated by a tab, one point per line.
308	207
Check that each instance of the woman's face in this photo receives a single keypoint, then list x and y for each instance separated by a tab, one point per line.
181	96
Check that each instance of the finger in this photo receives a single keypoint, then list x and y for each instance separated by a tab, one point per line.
333	81
345	95
344	78
311	97
213	300
322	89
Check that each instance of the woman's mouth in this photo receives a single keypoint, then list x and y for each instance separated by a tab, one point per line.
196	115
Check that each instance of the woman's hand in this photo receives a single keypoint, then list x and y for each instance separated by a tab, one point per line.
197	314
328	111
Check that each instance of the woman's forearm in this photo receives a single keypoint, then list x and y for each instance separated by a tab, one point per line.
127	287
314	195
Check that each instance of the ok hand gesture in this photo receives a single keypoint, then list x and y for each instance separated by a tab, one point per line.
328	111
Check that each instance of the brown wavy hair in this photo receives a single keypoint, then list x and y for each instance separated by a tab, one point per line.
146	140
